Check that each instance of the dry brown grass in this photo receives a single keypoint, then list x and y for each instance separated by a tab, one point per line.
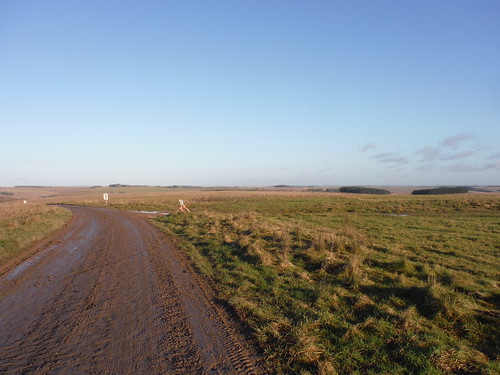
460	362
18	211
22	225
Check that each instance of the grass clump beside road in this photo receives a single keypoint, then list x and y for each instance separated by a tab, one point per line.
22	225
353	285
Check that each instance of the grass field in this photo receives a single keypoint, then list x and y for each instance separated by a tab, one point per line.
330	283
351	284
22	225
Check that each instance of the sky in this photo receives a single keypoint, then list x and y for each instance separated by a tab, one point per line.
249	92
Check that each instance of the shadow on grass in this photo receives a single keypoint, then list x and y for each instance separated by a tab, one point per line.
421	297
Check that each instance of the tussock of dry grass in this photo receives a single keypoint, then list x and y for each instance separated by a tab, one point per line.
452	361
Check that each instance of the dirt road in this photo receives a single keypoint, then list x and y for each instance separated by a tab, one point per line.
111	296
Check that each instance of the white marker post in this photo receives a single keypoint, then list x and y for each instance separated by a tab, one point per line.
183	206
105	197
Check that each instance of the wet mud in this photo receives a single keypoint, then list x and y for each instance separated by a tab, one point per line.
111	295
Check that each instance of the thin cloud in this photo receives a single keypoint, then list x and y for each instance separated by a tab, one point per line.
448	155
426	167
462	167
494	156
455	140
368	146
325	170
384	155
433	153
459	155
391	157
399	160
395	168
495	165
429	153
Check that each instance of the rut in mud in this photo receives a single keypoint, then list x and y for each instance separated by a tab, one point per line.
111	296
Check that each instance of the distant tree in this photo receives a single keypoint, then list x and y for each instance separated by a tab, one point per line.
362	190
441	190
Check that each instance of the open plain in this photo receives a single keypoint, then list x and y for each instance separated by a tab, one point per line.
324	283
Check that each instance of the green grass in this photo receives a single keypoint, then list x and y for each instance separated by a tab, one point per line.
353	285
21	226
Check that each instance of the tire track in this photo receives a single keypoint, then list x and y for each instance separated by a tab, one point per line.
219	343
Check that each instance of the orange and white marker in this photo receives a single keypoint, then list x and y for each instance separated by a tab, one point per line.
183	207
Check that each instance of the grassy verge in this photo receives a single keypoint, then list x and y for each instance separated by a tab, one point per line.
22	225
354	285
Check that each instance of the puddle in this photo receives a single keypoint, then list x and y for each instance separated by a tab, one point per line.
33	260
152	212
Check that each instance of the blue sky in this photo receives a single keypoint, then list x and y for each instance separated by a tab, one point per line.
249	92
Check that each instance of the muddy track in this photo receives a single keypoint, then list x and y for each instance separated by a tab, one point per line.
111	296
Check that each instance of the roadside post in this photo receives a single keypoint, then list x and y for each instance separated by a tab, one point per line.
105	197
182	207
